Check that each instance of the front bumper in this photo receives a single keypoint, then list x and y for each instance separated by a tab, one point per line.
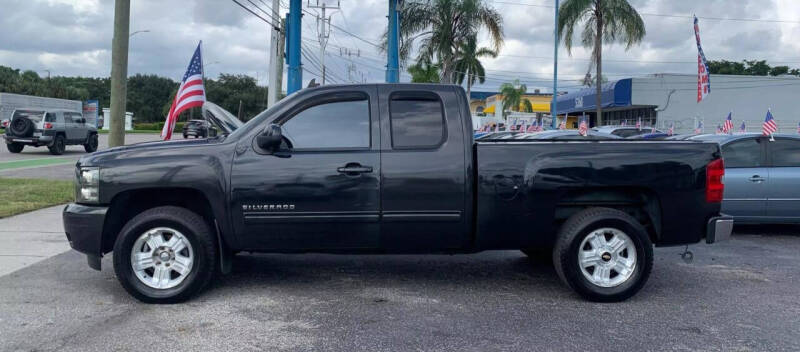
83	225
719	229
34	140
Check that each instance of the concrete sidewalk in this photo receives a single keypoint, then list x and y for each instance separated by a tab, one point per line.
30	238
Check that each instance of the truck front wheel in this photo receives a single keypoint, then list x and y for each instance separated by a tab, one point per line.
165	255
604	254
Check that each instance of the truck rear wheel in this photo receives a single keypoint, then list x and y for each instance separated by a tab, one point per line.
15	147
165	255
604	254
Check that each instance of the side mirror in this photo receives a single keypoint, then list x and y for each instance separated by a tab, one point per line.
271	138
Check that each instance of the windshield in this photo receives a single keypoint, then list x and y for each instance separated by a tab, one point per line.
32	115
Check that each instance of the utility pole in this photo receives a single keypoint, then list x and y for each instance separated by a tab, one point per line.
275	57
393	47
554	109
323	30
119	72
293	48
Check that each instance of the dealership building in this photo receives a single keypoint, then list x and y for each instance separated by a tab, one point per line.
665	99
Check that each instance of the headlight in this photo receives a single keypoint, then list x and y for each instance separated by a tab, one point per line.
87	187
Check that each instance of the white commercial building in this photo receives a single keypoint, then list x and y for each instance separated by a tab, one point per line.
666	99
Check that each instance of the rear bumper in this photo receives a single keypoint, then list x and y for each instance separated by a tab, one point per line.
719	229
37	141
84	229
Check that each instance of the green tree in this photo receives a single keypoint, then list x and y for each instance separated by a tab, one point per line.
512	97
424	72
468	64
603	20
441	26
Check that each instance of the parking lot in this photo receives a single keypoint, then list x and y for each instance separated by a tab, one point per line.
739	295
39	163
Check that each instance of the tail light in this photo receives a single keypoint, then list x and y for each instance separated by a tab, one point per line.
48	125
5	123
714	186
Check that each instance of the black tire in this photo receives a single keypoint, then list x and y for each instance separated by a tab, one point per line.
15	147
59	145
21	127
91	143
199	235
570	238
185	136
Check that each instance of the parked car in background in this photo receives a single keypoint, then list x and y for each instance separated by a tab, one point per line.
52	128
196	128
624	131
648	135
4	123
762	177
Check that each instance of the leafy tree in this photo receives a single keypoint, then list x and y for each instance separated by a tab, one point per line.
441	26
468	64
424	72
779	70
603	20
512	97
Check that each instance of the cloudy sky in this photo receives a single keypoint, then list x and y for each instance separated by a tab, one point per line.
73	37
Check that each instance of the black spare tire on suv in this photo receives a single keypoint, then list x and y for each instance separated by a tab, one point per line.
22	127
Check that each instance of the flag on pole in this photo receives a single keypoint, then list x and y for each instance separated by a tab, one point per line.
719	129
563	124
703	79
531	127
191	93
699	128
671	130
583	128
623	123
653	128
743	128
639	123
728	126
769	126
798	128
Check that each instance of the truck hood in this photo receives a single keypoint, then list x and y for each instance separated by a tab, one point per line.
165	147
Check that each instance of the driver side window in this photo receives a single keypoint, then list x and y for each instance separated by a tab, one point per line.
334	125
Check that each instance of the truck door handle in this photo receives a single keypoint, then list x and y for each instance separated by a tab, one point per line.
757	179
354	169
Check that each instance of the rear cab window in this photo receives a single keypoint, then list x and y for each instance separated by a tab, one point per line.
416	120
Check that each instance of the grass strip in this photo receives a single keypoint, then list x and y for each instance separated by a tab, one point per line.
21	195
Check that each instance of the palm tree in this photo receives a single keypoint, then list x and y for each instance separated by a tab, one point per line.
441	26
424	72
467	64
609	20
512	97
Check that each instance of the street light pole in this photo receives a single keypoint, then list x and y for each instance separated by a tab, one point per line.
554	109
119	72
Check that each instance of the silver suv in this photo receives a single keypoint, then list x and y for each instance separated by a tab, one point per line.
52	128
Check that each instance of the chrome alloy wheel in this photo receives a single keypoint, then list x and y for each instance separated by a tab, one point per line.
607	257
162	258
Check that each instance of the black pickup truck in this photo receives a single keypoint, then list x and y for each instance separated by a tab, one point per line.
389	169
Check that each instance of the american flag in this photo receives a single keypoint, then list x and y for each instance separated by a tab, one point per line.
769	126
531	128
798	128
703	79
743	128
719	129
639	123
671	130
699	128
583	128
497	127
728	126
653	128
563	124
190	94
623	123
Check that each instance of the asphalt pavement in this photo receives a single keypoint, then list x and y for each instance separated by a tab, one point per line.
739	295
39	163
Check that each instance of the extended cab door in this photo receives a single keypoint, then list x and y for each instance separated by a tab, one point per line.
783	189
321	190
423	169
746	179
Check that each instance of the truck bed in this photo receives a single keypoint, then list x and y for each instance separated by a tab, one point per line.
525	189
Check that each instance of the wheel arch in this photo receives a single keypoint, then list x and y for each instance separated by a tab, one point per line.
127	204
641	203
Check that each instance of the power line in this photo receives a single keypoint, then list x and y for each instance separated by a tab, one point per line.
255	14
